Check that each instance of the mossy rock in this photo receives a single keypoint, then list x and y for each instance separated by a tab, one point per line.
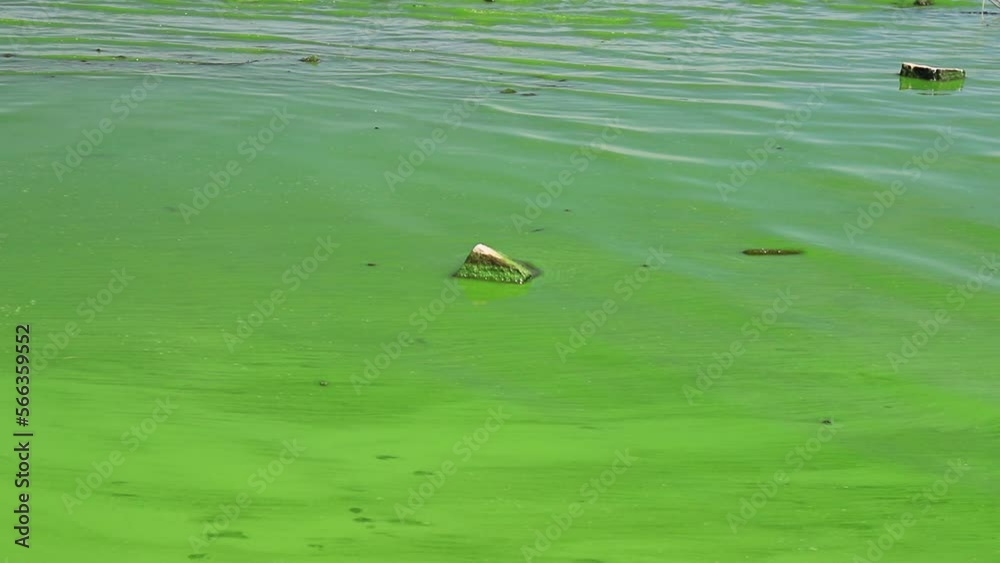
487	264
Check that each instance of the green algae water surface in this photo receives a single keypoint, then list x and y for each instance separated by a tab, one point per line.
246	345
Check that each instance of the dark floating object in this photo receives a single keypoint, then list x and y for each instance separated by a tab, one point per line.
372	264
923	2
356	510
363	520
210	63
770	251
8	55
486	264
323	383
313	59
385	457
508	91
227	534
529	94
924	72
827	421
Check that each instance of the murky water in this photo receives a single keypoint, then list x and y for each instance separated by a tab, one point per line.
247	346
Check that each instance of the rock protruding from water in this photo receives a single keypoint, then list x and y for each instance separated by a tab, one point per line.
487	264
924	72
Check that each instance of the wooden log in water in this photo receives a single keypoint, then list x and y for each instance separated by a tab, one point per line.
924	72
771	251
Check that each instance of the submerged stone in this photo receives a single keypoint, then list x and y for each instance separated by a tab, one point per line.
486	264
924	72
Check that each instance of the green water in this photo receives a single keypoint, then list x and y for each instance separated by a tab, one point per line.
278	367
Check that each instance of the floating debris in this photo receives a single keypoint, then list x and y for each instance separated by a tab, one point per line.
924	72
770	251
